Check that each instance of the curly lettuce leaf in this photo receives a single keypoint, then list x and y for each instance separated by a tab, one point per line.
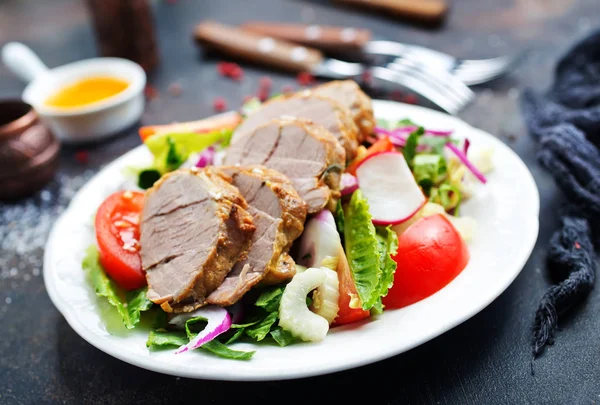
362	250
128	304
387	241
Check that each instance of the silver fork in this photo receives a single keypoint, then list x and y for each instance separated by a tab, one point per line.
444	90
470	72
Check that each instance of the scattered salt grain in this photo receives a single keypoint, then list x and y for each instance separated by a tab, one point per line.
8	300
36	272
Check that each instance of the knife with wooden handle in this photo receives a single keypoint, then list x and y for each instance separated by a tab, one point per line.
257	48
328	38
431	11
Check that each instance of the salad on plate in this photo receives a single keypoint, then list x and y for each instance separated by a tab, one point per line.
283	221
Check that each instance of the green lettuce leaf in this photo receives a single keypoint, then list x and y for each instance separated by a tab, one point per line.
362	249
387	241
161	339
129	305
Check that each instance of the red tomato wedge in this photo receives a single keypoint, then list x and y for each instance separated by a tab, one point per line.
431	253
228	120
383	144
347	288
117	235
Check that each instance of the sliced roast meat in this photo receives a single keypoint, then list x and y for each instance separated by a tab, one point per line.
194	228
322	110
278	213
302	150
283	272
349	94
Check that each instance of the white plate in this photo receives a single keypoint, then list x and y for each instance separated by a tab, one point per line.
506	210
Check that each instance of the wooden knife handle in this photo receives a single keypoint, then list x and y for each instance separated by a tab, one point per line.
424	10
257	48
317	36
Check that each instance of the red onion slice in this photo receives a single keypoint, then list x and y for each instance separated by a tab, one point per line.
218	320
206	158
463	158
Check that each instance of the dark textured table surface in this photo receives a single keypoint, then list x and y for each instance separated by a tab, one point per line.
486	360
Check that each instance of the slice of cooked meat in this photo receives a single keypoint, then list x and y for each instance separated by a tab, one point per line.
349	94
322	110
278	213
283	272
302	150
194	228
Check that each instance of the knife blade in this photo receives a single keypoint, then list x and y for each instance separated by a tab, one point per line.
297	58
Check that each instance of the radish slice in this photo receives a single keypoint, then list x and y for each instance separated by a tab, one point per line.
349	184
218	320
390	188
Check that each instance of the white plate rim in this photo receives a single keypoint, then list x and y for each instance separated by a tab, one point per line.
230	374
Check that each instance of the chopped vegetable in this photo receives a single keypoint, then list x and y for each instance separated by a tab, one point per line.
134	302
294	315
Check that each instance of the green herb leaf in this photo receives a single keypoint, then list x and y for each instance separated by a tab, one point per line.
339	217
261	329
362	250
410	149
238	334
282	337
147	178
219	349
134	302
157	339
270	299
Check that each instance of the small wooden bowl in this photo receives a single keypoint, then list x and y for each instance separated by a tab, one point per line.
28	151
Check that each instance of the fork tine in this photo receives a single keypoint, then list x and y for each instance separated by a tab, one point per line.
412	81
441	79
476	72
